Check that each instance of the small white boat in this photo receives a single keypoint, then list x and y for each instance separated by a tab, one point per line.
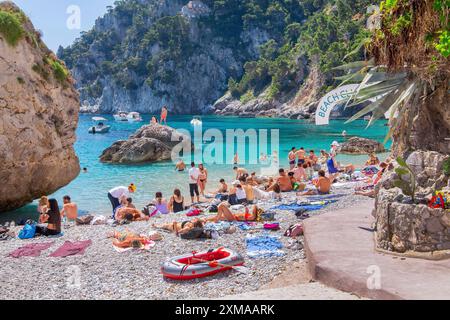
100	126
196	121
134	117
121	116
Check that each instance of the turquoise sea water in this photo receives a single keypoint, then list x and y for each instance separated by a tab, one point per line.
90	189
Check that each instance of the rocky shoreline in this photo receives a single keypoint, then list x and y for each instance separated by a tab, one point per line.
107	274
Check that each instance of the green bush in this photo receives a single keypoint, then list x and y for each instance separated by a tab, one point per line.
59	71
247	97
11	27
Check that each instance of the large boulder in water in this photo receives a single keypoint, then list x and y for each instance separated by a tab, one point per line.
151	143
358	145
38	118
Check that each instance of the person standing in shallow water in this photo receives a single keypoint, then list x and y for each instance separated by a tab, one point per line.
164	113
291	158
194	174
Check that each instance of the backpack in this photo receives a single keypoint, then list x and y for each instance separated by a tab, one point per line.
28	231
294	230
267	216
194	233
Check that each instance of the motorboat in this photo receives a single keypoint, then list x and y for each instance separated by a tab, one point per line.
100	126
134	117
121	116
196	121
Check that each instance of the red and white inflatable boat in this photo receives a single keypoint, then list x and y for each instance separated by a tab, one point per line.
202	264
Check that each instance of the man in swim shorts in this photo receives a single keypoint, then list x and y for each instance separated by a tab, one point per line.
291	158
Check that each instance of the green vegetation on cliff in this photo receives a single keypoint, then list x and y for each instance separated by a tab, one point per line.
259	45
11	27
330	32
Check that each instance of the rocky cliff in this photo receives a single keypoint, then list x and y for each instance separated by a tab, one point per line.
147	53
38	114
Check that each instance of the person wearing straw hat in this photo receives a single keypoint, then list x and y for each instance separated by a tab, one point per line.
116	194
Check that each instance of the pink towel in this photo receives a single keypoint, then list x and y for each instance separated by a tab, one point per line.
71	248
30	250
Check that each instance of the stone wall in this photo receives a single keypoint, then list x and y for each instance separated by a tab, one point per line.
402	225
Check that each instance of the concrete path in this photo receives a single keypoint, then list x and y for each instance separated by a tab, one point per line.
306	291
341	255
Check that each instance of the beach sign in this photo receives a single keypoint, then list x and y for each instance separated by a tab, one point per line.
331	99
335	97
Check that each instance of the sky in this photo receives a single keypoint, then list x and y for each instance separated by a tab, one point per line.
58	26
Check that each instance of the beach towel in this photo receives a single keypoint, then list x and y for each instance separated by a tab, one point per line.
263	246
30	250
217	226
244	225
71	249
296	207
307	206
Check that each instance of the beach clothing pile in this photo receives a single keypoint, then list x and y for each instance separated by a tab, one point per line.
263	246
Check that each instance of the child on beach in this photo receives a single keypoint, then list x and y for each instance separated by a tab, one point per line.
43	205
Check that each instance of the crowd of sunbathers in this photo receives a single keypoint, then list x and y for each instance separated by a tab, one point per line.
308	174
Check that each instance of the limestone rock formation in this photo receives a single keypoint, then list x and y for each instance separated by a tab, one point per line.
358	145
150	143
38	118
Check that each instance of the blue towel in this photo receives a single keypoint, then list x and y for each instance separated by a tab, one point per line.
307	206
217	226
263	246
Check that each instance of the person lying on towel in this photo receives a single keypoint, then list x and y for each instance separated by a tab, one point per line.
130	214
225	214
181	227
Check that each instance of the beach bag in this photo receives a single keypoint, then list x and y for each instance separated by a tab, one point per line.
267	216
194	233
28	231
272	226
294	231
84	220
213	208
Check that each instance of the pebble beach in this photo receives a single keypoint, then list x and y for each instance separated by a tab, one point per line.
102	273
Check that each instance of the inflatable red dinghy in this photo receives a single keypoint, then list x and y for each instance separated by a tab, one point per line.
202	264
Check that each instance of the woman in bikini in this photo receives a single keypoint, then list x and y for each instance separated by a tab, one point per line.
202	178
181	227
50	221
225	214
176	202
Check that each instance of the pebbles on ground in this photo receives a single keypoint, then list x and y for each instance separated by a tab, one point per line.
103	273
